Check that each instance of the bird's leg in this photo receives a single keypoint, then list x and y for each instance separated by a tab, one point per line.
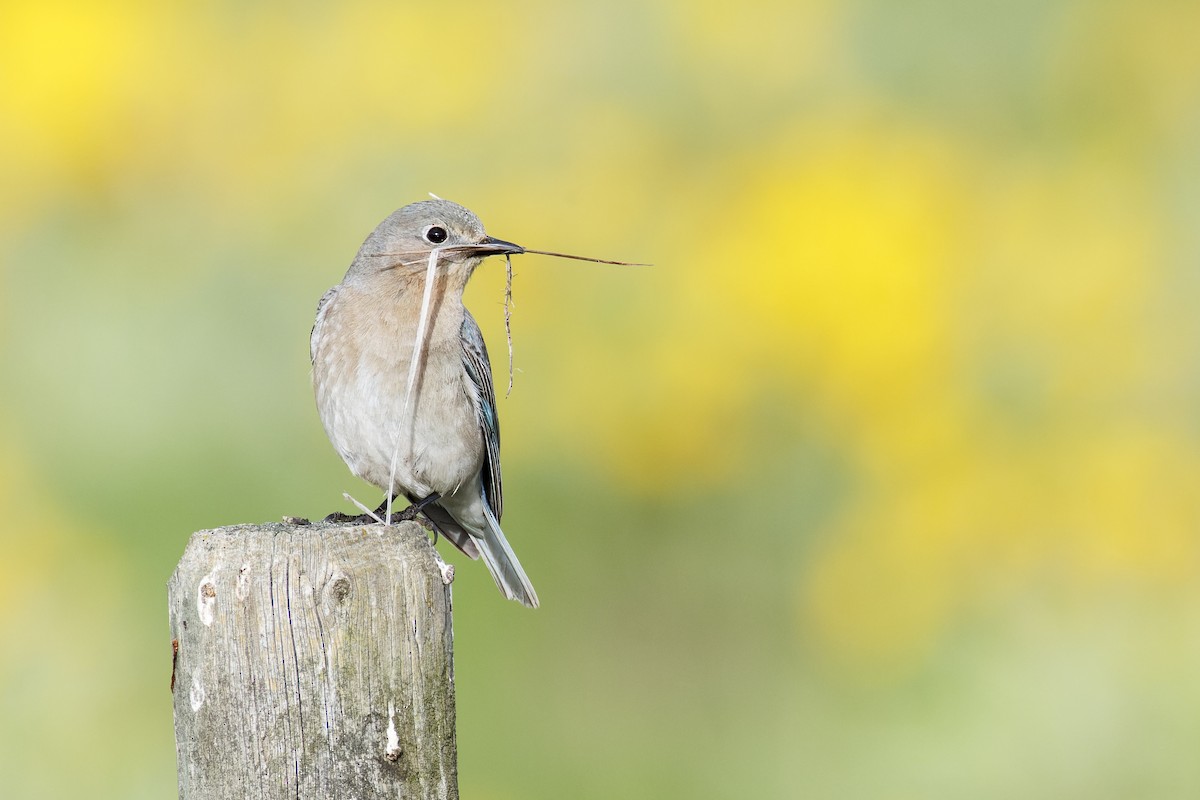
409	513
414	509
381	512
361	519
413	512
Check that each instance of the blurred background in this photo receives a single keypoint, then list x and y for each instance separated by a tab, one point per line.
881	483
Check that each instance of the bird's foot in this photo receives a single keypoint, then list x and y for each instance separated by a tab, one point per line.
360	519
411	512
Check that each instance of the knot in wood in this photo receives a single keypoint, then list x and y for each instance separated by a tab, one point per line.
340	589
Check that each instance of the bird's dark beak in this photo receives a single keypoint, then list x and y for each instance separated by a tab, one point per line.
489	245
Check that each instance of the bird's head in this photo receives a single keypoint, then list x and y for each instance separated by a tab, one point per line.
405	241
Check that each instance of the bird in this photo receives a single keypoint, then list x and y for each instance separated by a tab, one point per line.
403	382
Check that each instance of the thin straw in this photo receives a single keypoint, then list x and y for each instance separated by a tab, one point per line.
585	258
413	366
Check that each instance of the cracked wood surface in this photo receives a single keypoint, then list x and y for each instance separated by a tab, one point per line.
314	661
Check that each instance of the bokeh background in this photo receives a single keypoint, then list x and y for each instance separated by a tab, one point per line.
883	481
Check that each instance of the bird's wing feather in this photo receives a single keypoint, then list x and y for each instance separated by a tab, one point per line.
479	370
322	307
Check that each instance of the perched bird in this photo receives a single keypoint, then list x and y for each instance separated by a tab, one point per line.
403	382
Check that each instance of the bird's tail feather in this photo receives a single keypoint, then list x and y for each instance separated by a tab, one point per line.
448	526
502	562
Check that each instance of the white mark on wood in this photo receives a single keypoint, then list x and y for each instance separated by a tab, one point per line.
197	694
447	571
392	752
243	582
206	599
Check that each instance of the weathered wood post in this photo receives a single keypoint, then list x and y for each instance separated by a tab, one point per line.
313	661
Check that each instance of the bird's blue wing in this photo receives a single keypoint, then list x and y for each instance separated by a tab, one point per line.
479	370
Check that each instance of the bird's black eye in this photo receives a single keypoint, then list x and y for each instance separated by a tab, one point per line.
436	234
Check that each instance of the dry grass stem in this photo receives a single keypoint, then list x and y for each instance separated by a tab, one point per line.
508	318
369	512
586	258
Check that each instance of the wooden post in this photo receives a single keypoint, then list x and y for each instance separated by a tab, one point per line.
313	661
